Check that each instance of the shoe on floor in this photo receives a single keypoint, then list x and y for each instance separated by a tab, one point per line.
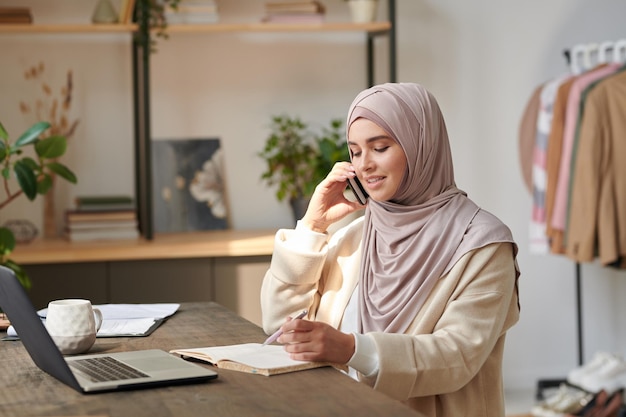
577	375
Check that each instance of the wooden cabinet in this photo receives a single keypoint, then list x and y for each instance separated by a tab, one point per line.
234	282
223	266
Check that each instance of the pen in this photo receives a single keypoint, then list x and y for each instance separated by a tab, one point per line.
278	332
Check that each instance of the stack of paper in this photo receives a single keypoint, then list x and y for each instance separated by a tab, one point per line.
124	320
129	319
133	319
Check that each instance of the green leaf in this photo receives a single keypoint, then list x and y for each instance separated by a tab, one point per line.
3	133
326	149
3	151
7	241
32	164
32	134
62	171
51	147
44	184
26	179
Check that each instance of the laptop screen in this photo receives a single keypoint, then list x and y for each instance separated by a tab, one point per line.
23	317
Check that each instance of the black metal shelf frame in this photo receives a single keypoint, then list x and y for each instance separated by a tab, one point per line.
141	103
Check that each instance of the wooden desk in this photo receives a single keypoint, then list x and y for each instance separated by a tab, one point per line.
25	390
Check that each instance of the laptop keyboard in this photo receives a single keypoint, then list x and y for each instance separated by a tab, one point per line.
105	368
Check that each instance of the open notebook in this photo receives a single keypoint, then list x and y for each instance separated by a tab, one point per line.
253	358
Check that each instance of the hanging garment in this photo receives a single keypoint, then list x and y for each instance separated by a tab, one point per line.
553	160
538	238
597	221
527	134
572	115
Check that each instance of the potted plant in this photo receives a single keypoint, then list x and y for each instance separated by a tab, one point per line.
155	20
298	159
34	177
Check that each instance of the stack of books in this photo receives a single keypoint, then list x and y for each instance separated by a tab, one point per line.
15	15
102	218
193	12
294	12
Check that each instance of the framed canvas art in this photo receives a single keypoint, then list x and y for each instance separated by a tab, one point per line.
188	185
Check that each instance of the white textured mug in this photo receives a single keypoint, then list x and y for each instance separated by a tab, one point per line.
73	324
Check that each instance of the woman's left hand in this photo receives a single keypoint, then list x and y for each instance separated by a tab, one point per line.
316	341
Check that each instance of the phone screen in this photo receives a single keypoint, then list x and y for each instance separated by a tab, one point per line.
358	190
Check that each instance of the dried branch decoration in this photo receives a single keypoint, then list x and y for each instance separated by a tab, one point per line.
53	109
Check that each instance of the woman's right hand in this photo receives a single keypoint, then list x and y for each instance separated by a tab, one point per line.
328	203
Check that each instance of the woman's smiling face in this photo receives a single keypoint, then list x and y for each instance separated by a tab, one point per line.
378	159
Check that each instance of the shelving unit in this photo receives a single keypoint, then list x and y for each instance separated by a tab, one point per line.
224	266
141	72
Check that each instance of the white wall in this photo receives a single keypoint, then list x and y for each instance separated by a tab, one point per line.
482	59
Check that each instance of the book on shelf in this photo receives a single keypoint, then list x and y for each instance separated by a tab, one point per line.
194	7
295	7
102	234
252	358
100	224
294	18
15	15
192	18
103	203
193	12
73	216
294	12
84	225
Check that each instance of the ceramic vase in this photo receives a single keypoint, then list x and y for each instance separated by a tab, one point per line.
104	13
363	11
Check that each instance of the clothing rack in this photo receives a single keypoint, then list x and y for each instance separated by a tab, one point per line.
579	316
582	53
548	383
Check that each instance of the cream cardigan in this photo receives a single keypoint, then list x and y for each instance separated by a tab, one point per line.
449	362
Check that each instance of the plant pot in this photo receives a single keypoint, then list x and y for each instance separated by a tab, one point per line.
363	11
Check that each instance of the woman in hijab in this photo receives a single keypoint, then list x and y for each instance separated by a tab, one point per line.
415	296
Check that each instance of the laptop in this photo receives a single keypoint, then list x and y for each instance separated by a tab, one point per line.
92	373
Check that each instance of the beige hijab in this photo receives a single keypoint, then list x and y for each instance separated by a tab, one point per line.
429	224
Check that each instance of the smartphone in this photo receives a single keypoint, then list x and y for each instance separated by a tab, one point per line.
358	190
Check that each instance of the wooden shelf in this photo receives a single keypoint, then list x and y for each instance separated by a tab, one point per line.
222	243
67	28
375	27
